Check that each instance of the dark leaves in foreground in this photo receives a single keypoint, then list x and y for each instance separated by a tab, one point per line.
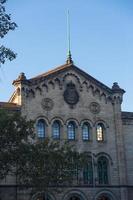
5	26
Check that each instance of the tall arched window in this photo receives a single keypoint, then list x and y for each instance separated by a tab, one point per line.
74	170
100	132
71	131
74	197
86	131
56	130
43	197
88	172
103	197
41	128
102	170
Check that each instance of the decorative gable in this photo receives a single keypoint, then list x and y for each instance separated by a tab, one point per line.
70	80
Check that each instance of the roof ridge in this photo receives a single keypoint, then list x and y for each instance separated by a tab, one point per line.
52	71
65	66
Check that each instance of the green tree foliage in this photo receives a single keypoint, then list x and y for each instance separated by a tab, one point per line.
37	164
15	132
5	26
48	165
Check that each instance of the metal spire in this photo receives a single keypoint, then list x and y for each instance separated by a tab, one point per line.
69	56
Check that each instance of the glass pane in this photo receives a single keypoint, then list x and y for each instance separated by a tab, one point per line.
85	132
74	171
56	130
41	129
99	132
71	131
88	173
103	171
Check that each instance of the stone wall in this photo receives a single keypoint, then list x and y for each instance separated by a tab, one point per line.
43	98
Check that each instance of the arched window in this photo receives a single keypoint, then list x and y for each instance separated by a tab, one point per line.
100	132
41	128
43	197
103	198
102	170
86	131
56	130
74	198
74	170
88	172
71	131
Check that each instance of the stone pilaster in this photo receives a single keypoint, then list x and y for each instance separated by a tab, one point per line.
117	100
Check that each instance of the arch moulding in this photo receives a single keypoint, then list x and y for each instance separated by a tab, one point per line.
76	193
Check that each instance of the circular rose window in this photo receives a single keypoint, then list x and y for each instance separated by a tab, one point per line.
47	104
94	107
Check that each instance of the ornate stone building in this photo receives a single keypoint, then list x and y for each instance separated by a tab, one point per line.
69	104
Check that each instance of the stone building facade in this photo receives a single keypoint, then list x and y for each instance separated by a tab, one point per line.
69	104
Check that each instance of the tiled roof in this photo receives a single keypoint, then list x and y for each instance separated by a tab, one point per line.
10	106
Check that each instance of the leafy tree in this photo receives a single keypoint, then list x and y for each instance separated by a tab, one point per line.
37	164
14	134
48	164
5	26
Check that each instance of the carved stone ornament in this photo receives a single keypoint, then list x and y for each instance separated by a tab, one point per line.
94	107
71	95
47	104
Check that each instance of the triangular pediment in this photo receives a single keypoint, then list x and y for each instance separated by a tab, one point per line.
59	73
65	80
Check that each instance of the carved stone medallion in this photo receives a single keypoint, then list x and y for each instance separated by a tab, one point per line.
47	104
71	95
94	107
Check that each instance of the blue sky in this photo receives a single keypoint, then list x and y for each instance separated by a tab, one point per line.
101	41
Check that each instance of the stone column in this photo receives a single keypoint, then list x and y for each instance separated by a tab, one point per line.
117	100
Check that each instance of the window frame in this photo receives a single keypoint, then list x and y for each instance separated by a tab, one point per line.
102	127
71	135
57	136
88	172
103	174
86	136
41	134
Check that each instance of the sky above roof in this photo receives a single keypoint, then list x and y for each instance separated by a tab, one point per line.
101	41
